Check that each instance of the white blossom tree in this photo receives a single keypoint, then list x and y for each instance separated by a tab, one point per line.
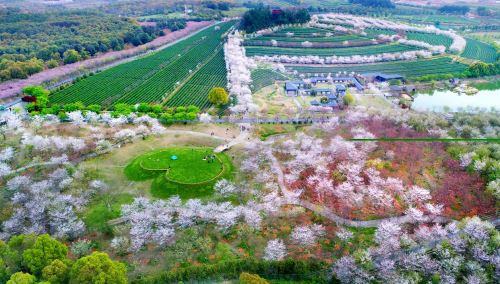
275	250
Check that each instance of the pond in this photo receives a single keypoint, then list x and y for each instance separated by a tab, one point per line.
449	101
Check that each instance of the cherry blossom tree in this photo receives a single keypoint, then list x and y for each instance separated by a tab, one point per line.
41	207
238	74
225	187
205	118
307	236
456	253
275	250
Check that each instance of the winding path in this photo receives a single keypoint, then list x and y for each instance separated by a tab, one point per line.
41	164
290	199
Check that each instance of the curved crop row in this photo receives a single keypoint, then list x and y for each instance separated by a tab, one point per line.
430	38
347	51
146	79
409	69
195	91
478	50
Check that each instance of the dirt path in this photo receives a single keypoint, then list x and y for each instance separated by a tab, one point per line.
12	88
290	199
241	138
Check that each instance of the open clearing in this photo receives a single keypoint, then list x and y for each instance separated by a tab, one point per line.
179	164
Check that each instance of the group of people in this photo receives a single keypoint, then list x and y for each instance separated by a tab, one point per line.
209	158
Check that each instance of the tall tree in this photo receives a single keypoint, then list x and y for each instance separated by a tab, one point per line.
98	268
45	250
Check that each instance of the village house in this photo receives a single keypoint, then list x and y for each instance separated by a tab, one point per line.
398	90
381	77
328	97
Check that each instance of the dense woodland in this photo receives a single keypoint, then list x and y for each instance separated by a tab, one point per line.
31	42
454	9
374	3
262	17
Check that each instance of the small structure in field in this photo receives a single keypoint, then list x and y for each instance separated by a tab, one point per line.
398	91
382	77
329	95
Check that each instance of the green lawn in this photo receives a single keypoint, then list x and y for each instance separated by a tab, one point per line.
99	213
493	85
194	165
189	176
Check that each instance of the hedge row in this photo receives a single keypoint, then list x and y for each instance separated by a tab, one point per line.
309	271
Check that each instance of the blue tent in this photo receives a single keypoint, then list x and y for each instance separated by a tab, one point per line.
173	158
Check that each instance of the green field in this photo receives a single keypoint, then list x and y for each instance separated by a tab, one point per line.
195	91
444	21
347	51
265	77
188	168
189	176
303	31
478	50
337	38
430	38
147	79
411	69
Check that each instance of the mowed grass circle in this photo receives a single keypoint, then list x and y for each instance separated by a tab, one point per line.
193	165
191	175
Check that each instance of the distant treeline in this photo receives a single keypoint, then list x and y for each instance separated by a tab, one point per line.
476	70
263	17
454	9
374	3
31	42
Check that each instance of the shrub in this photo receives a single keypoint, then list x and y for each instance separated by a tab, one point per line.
247	278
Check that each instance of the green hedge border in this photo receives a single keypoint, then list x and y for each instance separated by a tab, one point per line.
290	269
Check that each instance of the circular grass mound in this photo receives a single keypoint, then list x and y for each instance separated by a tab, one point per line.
191	174
190	165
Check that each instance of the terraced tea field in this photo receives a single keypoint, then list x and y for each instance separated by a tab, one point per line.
347	51
195	91
430	38
148	79
410	69
478	50
265	77
335	38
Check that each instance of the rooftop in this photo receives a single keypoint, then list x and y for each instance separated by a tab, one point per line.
289	86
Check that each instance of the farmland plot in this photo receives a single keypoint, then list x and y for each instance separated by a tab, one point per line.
265	77
411	69
147	79
430	38
347	51
195	91
478	50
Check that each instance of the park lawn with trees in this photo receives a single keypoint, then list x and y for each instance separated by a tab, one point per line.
221	232
321	202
